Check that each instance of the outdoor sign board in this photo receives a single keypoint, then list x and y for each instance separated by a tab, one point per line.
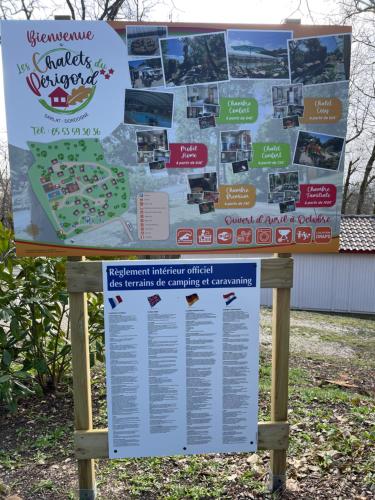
182	356
175	138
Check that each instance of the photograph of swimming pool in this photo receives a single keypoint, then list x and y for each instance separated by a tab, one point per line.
149	108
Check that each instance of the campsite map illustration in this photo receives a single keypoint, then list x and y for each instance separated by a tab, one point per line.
75	186
181	138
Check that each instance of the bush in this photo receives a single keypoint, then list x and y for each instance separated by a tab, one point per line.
35	349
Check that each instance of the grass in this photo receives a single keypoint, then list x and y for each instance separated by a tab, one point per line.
43	486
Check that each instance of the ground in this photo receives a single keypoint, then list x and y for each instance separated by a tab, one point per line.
77	189
331	411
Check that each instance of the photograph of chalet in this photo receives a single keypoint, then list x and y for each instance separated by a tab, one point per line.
280	111
235	140
200	183
151	140
322	59
188	60
145	156
287	95
290	122
194	111
199	95
258	54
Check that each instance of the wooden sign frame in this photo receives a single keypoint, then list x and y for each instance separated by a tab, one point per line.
90	444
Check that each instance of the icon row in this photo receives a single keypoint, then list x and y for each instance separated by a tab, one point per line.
245	235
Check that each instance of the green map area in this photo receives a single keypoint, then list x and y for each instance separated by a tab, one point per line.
78	190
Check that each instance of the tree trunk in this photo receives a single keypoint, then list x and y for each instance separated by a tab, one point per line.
346	195
365	181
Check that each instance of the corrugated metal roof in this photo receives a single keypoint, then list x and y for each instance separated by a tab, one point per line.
357	233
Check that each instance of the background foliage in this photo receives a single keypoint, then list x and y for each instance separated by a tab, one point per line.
34	324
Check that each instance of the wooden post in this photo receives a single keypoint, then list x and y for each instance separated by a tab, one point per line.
279	383
81	374
82	385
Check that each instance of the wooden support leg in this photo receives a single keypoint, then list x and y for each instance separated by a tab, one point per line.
279	387
82	388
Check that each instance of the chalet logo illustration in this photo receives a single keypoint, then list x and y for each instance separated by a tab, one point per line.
64	80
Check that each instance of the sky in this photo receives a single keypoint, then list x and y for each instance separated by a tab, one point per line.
174	48
266	39
155	62
212	11
248	11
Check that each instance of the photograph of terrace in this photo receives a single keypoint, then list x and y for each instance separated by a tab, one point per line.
144	40
146	73
143	107
194	59
323	59
258	54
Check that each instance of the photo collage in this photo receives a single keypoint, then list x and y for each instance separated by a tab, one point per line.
287	102
144	55
203	191
203	103
284	190
199	63
152	148
158	137
235	148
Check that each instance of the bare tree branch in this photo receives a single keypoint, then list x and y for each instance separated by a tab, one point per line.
365	181
72	11
83	9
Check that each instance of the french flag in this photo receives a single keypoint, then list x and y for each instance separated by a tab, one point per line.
229	297
115	301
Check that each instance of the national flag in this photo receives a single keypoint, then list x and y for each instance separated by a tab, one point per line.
154	299
191	299
115	301
229	297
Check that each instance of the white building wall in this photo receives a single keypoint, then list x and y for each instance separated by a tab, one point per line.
327	282
332	282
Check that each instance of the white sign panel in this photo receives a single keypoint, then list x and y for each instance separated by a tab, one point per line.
142	139
182	356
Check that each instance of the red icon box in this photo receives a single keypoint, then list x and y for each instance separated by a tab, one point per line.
184	236
224	235
205	236
244	235
264	235
284	235
323	234
303	234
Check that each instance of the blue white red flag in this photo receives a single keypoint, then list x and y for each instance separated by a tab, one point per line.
229	297
115	301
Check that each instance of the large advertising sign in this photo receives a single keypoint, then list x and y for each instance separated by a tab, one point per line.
175	138
182	356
